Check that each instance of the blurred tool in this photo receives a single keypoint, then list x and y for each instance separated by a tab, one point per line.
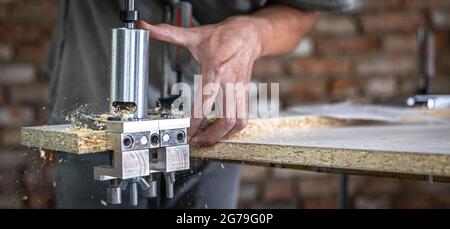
426	59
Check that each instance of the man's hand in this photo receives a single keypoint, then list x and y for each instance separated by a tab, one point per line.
226	53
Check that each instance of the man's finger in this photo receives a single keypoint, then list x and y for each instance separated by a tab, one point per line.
241	114
164	32
204	101
224	124
215	132
241	94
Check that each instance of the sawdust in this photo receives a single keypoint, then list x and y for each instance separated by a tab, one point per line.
123	109
78	130
258	127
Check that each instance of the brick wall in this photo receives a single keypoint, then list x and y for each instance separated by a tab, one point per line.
26	28
263	187
368	54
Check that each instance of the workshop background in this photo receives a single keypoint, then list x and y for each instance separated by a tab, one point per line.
365	55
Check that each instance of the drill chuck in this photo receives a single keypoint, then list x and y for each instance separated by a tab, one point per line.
129	16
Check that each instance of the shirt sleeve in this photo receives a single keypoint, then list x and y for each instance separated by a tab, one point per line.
323	5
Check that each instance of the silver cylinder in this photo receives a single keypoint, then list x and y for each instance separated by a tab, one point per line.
129	72
133	194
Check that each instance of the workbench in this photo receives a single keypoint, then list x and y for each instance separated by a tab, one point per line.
412	150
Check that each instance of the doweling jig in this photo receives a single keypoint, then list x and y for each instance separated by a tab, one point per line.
141	141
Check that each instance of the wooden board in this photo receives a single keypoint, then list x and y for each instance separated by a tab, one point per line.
64	138
308	142
81	141
413	151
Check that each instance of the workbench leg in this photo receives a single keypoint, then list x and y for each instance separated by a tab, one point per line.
342	195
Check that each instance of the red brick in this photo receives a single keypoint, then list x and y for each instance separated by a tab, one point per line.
442	64
252	173
380	87
408	85
34	11
425	4
10	136
373	202
441	19
19	33
2	95
392	21
414	202
248	192
278	190
356	184
3	11
35	94
367	5
425	188
400	43
285	204
318	66
305	175
7	201
347	45
345	88
335	25
303	92
441	85
269	66
442	40
14	116
321	188
6	53
377	186
9	159
379	65
319	203
16	73
286	173
371	5
32	53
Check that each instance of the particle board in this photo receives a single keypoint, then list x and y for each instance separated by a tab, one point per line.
303	142
81	140
421	151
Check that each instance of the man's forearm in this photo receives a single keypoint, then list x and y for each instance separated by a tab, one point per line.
281	28
226	52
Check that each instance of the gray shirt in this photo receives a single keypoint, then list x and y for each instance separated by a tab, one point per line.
77	69
78	60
